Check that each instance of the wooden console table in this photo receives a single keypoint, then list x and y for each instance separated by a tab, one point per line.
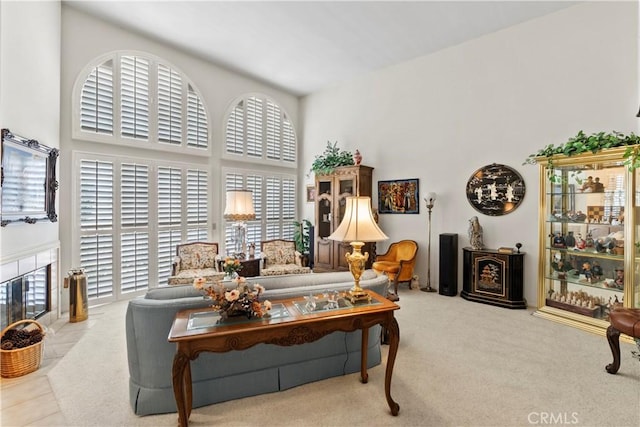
296	327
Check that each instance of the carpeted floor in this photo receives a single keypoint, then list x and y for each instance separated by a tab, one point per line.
459	364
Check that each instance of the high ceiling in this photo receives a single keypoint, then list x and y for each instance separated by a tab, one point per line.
304	46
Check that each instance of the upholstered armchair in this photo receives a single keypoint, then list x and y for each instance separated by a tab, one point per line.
398	262
194	260
280	257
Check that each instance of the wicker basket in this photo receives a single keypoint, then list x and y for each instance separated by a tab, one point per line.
21	361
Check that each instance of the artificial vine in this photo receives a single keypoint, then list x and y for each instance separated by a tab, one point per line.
331	158
594	143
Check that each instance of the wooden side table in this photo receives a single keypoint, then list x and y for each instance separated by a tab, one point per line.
250	267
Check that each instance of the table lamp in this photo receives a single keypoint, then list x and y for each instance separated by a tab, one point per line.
239	208
358	227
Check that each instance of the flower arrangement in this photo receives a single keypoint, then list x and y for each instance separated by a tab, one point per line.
240	301
231	265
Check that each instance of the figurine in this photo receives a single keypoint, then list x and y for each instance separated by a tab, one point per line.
580	242
618	281
598	187
587	186
589	241
596	271
475	233
357	157
570	241
586	270
558	241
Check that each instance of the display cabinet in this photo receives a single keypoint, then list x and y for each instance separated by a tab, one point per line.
331	193
589	226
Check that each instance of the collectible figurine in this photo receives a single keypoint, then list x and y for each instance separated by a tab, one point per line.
558	241
618	281
570	241
586	270
596	271
580	242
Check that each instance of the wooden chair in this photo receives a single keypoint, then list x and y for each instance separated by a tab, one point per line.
626	321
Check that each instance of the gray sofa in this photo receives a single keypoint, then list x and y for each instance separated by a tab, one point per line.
260	369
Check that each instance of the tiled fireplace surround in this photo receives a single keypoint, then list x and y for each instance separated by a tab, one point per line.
13	267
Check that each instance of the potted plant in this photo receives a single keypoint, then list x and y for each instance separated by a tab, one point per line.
331	158
302	239
582	143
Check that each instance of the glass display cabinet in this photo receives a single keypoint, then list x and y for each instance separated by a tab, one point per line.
589	226
332	191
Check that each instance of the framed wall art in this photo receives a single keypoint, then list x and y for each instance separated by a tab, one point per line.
398	196
311	193
495	190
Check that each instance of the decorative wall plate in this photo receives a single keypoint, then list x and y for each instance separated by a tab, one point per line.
495	190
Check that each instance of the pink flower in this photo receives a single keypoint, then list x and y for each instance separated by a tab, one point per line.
258	287
232	295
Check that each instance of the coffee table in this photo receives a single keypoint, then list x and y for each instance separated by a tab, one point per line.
292	322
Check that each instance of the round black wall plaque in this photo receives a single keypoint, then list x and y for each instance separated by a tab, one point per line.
495	190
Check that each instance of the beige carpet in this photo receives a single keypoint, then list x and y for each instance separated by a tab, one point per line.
459	364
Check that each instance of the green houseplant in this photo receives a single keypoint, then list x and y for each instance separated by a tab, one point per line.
594	143
331	158
302	239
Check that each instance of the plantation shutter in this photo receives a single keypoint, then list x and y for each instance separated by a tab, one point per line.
169	218
288	207
134	241
273	207
254	227
288	142
254	127
273	131
96	214
235	130
96	100
196	205
197	134
169	105
134	76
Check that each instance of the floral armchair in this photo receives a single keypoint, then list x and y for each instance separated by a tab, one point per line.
194	260
280	257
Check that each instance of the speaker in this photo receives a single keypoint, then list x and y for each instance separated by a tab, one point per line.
448	264
312	244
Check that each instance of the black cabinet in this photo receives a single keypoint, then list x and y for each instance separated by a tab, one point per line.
492	277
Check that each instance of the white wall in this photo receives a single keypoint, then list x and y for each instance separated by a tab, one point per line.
30	99
84	39
495	99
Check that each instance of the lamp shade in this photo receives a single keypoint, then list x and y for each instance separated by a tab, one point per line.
431	197
358	224
239	205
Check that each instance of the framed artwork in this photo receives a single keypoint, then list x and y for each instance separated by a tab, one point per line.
311	193
495	190
398	196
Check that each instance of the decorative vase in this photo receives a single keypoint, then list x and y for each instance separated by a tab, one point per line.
357	157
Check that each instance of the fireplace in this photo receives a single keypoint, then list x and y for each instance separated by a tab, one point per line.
26	296
29	287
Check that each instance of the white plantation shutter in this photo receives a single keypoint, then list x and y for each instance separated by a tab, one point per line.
96	258
197	132
254	227
288	207
96	195
196	205
134	75
96	214
254	127
134	242
273	207
181	118
96	100
274	130
288	141
169	105
235	130
134	195
167	241
169	196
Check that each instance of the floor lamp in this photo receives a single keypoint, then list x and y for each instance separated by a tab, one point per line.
358	227
239	208
430	199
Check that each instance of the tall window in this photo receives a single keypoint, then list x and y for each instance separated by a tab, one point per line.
259	132
157	105
133	212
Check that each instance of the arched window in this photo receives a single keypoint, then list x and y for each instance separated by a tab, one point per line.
135	99
130	212
259	132
258	129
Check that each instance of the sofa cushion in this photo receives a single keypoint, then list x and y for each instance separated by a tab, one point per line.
186	277
279	269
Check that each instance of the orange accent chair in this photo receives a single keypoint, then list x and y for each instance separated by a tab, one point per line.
398	262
